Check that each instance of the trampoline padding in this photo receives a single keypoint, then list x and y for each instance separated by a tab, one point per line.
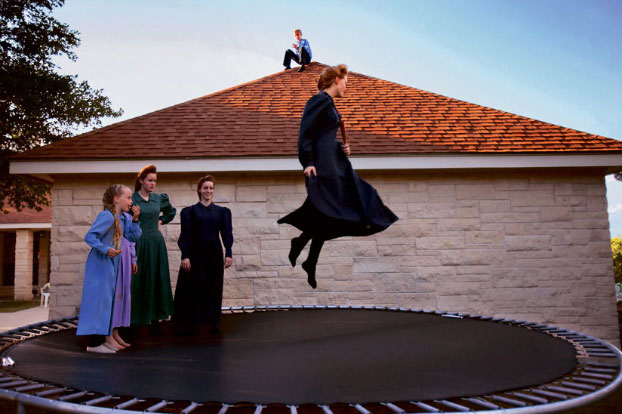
310	356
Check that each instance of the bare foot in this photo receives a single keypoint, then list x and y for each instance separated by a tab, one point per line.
120	341
101	349
111	343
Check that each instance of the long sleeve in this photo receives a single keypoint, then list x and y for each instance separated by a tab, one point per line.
167	210
131	229
185	237
94	236
226	231
133	253
307	135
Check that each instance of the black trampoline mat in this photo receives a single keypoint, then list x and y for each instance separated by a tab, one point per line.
310	356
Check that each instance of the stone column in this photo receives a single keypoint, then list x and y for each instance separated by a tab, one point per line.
44	258
24	241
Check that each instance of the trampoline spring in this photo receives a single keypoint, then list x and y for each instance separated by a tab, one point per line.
580	386
550	394
360	408
482	403
595	375
157	406
73	396
324	408
453	405
7	378
100	400
564	389
601	364
31	387
588	380
128	403
344	306
509	401
14	383
293	409
259	408
447	315
603	370
393	407
51	392
531	398
224	409
426	407
190	408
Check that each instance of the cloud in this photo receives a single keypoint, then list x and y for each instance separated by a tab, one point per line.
614	209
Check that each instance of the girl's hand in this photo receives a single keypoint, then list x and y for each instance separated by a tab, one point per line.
310	170
134	268
135	213
113	253
346	148
185	264
228	262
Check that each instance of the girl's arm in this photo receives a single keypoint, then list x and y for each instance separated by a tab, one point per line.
131	229
226	231
133	252
94	236
185	236
168	211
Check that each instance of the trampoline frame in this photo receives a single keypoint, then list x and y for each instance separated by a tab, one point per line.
598	373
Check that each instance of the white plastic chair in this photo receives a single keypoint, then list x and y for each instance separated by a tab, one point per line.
618	292
45	296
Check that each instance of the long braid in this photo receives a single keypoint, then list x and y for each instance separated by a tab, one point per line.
114	190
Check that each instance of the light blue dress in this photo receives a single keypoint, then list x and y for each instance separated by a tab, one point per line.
100	274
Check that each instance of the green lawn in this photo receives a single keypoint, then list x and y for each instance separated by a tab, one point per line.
12	306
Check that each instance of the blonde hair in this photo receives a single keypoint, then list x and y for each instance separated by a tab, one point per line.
114	190
329	74
296	31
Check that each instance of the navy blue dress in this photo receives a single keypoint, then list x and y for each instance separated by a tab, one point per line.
339	203
198	295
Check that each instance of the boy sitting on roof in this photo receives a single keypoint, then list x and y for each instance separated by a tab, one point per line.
302	55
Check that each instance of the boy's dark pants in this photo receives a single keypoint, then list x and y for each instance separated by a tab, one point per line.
290	55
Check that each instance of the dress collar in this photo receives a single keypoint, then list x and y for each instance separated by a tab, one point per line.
137	197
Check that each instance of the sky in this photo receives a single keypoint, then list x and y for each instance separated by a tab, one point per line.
557	61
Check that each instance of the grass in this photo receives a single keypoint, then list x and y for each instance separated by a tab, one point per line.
12	306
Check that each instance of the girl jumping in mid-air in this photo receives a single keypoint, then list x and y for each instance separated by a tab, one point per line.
102	267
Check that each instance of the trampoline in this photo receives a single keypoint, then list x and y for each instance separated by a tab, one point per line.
317	360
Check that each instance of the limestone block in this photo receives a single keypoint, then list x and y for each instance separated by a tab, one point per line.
396	282
281	189
458	224
431	210
238	289
600	235
418	186
465	257
274	258
417	300
509	217
358	248
73	216
284	203
245	245
599	189
64	197
247	262
72	233
248	210
454	303
250	193
376	265
563	189
597	203
515	183
224	193
88	195
528	243
482	237
570	237
272	296
555	213
408	264
573	200
439	243
282	245
532	198
342	271
255	226
57	312
442	192
411	228
396	250
476	192
600	249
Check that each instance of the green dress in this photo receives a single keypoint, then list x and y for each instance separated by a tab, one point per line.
152	297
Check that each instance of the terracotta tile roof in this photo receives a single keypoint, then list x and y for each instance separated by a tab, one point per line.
26	216
261	118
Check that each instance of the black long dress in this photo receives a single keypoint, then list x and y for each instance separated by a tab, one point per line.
339	203
198	296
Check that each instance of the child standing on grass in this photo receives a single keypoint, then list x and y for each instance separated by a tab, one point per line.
102	267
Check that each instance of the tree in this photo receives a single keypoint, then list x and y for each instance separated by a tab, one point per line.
38	106
616	250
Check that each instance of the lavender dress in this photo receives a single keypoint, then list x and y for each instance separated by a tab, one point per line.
122	300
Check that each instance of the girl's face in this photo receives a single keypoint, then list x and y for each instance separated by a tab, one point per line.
149	183
207	191
124	201
341	85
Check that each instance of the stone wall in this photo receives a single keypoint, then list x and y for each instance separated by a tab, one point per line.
528	245
23	264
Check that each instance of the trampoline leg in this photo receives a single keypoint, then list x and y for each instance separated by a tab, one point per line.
20	408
